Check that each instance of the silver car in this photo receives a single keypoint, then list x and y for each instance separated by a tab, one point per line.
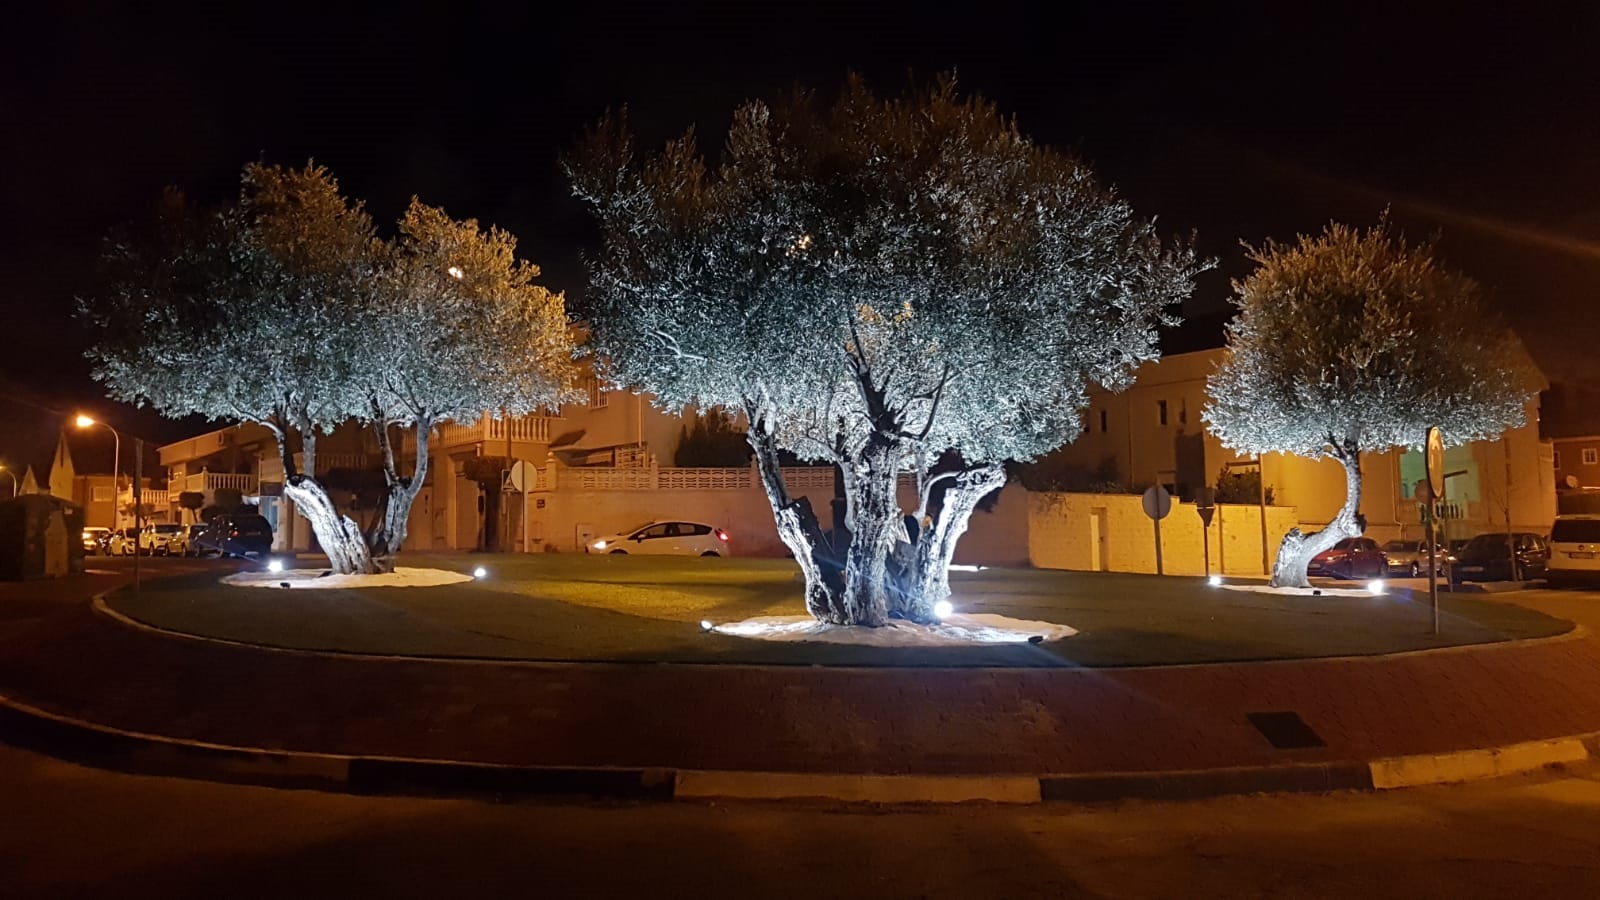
1411	557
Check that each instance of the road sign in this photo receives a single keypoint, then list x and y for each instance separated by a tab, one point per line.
1157	502
521	477
1436	462
1205	503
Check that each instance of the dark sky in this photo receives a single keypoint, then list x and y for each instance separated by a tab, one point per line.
1478	123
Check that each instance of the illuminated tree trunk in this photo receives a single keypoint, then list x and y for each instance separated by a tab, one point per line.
927	580
387	539
338	535
798	527
1298	549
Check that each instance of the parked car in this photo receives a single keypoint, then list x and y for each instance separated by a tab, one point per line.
1356	557
157	539
1574	550
191	539
665	539
122	542
237	534
1487	557
1411	557
94	540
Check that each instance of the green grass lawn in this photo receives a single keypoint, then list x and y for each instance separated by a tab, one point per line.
575	607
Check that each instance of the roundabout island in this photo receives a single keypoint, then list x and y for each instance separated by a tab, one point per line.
750	611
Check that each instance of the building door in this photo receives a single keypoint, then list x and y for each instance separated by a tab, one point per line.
1098	560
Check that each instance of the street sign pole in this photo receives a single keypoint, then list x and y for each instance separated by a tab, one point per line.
1205	503
1157	504
1435	465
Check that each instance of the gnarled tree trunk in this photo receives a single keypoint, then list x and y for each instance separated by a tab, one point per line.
1298	549
927	579
390	534
339	536
798	527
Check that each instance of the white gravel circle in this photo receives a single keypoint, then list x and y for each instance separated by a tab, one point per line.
315	579
954	631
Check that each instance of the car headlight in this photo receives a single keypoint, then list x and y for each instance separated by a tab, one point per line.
599	545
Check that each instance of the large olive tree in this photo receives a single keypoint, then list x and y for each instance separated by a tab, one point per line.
881	284
1357	340
288	309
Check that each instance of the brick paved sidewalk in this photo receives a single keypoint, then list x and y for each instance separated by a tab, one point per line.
59	655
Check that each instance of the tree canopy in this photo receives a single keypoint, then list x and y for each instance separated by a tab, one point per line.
911	266
1361	336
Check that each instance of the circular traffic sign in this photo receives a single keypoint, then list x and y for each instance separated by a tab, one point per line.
1435	461
1157	502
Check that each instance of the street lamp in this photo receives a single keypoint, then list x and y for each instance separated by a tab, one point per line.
13	480
85	422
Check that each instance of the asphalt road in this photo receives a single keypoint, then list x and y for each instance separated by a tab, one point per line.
67	831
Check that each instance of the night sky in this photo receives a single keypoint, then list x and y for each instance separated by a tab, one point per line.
1478	125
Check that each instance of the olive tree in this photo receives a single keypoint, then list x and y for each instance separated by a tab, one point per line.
288	309
880	284
1358	340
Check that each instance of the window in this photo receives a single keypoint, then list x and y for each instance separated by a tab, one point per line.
1591	456
102	494
597	394
1161	412
1102	421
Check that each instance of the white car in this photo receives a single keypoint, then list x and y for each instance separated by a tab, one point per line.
122	541
161	539
665	539
1574	550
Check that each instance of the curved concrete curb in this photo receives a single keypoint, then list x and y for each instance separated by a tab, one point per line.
104	747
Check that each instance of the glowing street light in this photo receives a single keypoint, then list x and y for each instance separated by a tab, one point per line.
84	421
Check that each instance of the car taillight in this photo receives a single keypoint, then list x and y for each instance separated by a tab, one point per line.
234	533
722	535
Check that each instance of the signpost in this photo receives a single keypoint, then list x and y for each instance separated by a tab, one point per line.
1157	505
521	477
1435	486
1205	503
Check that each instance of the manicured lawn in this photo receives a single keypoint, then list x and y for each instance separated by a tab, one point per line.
636	609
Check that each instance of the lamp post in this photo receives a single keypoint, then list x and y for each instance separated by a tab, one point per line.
138	475
116	457
13	480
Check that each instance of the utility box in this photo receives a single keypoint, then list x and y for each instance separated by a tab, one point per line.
40	537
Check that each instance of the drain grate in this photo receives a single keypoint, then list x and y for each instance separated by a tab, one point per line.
1285	730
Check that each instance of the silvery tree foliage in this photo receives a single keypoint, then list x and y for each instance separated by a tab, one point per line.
880	284
1357	340
288	310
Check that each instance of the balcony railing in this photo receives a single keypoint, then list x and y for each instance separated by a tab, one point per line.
527	429
208	482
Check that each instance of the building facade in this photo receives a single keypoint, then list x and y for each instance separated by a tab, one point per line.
1153	433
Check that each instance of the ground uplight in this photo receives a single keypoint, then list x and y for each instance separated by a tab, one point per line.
1376	586
275	565
1214	581
480	572
943	609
